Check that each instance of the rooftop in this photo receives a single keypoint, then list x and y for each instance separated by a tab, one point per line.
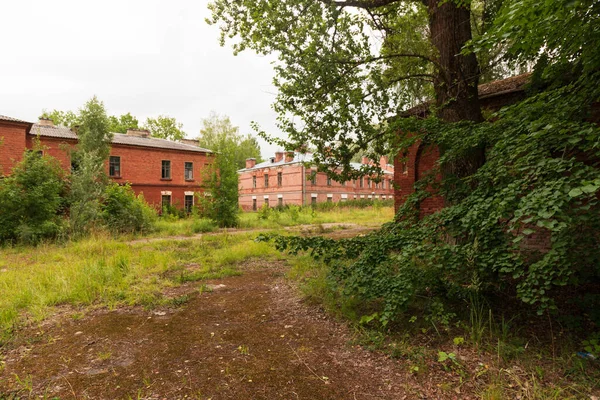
298	158
11	119
118	138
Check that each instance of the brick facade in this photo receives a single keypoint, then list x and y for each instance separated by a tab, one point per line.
419	159
139	165
289	181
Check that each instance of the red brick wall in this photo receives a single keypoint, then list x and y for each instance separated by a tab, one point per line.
55	147
292	186
12	144
142	168
414	165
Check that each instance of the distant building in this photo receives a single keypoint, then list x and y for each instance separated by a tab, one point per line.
288	178
165	171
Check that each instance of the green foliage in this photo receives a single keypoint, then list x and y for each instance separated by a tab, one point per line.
122	123
124	212
165	127
218	129
61	118
89	179
32	199
540	182
203	225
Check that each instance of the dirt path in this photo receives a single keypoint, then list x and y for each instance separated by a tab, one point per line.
334	230
249	339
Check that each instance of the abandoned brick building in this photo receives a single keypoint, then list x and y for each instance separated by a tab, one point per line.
419	159
164	171
286	179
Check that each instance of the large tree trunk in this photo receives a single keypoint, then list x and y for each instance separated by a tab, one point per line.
457	76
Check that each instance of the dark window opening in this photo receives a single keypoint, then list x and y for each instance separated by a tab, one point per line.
188	202
166	169
267	201
254	204
279	179
313	200
114	166
266	180
189	171
328	181
166	201
280	201
254	183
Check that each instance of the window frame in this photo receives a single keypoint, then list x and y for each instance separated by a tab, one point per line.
185	203
190	170
280	179
162	200
266	180
111	167
165	163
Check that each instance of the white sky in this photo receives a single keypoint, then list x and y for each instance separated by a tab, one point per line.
146	57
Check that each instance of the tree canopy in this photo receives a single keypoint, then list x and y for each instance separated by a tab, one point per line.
165	127
217	130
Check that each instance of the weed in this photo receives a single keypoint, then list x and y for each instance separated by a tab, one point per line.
104	355
243	349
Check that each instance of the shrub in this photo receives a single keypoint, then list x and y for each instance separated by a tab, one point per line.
32	200
123	211
203	225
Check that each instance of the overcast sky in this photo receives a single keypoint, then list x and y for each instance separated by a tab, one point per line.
146	57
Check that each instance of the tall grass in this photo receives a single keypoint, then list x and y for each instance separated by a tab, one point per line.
107	272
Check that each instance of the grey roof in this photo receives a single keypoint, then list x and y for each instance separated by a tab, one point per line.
298	158
53	131
119	138
11	119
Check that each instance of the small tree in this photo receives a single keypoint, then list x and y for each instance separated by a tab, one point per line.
222	205
89	180
32	199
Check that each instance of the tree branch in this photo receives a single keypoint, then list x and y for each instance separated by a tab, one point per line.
366	4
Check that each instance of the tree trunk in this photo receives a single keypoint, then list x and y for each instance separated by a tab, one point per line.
457	77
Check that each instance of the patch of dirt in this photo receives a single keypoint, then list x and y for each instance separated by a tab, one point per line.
334	230
248	338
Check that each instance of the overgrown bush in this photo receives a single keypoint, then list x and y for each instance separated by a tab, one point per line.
541	177
203	225
32	200
124	212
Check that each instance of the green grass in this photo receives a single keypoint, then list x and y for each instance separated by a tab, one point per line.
108	272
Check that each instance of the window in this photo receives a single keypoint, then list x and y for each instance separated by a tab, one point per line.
189	171
328	181
254	204
368	182
383	184
267	201
361	184
267	181
114	166
188	202
279	179
166	201
280	202
254	183
329	199
376	185
166	169
313	201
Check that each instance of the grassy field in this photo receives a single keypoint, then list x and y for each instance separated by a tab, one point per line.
108	271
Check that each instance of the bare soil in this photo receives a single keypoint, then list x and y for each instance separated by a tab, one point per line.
248	338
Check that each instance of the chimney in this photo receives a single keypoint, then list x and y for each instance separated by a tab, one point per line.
250	162
278	156
138	132
383	161
46	122
289	156
365	160
192	142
